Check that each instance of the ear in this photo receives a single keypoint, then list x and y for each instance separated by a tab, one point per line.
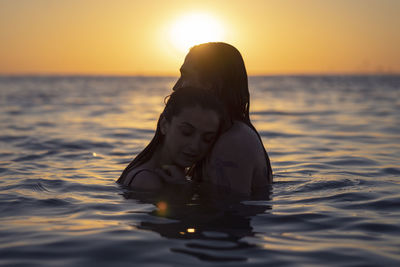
163	125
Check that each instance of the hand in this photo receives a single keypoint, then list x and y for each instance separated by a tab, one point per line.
172	174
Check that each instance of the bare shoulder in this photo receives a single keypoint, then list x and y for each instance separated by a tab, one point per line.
144	179
239	140
235	158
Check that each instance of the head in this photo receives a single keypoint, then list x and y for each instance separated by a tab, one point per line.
189	135
218	67
186	130
190	124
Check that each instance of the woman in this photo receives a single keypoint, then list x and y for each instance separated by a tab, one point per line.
186	130
238	161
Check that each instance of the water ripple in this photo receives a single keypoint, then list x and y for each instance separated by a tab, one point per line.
333	144
356	161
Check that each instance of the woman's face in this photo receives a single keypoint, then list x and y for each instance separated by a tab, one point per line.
189	75
189	135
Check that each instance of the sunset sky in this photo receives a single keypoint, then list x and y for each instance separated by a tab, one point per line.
121	37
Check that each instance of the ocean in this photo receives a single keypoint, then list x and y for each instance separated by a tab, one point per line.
333	141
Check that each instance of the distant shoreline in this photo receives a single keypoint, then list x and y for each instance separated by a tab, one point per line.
172	76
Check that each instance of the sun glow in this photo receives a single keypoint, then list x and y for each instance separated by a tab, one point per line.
193	29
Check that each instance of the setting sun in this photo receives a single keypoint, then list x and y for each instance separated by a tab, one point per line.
152	37
194	29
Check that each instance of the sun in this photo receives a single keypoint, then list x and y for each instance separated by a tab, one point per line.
193	29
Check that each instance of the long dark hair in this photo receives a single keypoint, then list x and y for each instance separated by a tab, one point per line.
222	66
175	103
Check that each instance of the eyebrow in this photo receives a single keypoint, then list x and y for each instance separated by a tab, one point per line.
190	125
187	124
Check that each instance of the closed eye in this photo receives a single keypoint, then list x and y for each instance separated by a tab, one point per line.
186	130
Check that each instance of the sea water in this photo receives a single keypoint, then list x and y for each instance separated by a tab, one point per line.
334	144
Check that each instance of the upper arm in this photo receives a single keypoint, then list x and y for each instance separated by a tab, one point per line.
147	181
231	165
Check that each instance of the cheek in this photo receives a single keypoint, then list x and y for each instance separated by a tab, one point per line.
175	140
187	83
191	82
205	147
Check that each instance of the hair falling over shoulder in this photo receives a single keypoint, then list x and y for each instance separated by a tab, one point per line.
222	65
175	104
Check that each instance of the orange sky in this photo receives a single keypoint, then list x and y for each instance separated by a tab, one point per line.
124	37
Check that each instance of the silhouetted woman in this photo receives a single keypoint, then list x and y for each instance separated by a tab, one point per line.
238	161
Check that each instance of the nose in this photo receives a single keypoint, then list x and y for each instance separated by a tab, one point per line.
195	145
178	84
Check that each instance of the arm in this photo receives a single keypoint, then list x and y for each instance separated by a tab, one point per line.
147	181
237	161
231	165
176	184
169	181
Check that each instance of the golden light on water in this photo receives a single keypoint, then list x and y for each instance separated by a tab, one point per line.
195	28
191	230
162	208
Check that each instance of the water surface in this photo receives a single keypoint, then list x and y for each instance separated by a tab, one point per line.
334	144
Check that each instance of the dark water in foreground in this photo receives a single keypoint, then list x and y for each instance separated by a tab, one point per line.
334	143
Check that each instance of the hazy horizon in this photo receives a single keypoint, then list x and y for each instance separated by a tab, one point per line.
151	38
176	76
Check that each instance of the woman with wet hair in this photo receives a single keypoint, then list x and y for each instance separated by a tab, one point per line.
238	161
186	130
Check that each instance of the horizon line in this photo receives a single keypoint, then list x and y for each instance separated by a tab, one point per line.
171	75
